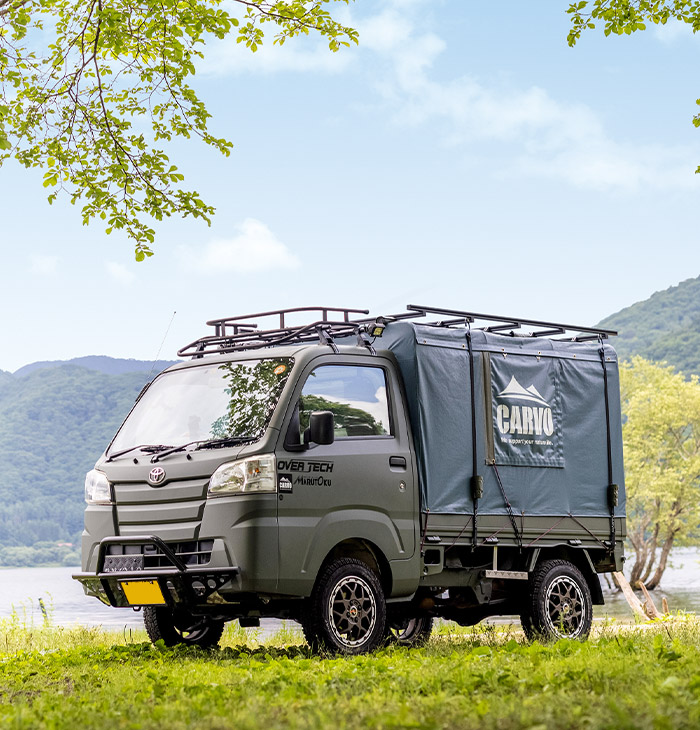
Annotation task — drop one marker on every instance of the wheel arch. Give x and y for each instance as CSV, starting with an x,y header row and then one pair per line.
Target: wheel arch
x,y
365,550
369,531
578,557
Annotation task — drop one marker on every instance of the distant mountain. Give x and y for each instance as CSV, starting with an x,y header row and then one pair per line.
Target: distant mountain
x,y
100,363
666,326
55,421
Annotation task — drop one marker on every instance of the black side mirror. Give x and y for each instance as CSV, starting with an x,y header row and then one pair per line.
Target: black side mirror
x,y
321,427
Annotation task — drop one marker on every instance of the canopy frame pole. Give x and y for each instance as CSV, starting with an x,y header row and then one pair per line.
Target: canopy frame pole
x,y
476,482
612,488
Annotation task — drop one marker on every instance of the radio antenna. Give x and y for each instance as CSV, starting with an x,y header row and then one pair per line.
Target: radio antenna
x,y
161,346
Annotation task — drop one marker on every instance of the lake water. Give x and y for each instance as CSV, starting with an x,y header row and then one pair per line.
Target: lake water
x,y
21,589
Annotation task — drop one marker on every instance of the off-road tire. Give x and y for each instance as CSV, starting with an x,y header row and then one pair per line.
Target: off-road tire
x,y
346,613
180,627
559,603
410,632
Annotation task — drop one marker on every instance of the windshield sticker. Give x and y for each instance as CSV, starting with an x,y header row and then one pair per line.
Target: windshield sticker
x,y
526,411
280,369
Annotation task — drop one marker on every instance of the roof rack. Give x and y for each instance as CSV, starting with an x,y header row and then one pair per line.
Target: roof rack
x,y
242,333
510,324
238,323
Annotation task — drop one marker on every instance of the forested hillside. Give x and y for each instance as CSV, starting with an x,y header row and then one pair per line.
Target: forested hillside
x,y
54,424
664,327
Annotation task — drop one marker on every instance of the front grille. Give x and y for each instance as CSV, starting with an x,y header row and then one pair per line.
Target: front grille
x,y
148,555
118,563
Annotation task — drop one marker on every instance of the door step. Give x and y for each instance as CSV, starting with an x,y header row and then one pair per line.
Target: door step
x,y
506,574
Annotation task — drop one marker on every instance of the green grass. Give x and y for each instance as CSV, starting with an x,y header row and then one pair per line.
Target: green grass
x,y
624,677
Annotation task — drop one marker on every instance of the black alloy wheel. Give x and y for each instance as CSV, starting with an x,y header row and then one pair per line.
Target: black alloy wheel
x,y
181,627
559,604
346,613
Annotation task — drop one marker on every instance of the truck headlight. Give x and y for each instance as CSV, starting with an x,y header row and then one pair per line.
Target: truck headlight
x,y
245,476
97,488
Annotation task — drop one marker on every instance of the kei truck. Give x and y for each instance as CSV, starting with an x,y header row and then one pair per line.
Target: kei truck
x,y
363,476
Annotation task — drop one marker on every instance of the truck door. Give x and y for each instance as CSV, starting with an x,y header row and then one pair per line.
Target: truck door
x,y
360,486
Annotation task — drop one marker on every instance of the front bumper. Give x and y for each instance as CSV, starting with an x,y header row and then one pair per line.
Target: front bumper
x,y
181,585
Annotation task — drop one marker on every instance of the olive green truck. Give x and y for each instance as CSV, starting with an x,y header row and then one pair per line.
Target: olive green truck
x,y
363,476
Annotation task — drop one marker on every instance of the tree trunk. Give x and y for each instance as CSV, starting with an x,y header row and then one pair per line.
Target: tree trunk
x,y
634,603
645,557
650,563
663,560
645,551
651,554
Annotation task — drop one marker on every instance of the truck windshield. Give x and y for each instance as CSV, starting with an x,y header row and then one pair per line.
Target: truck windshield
x,y
207,402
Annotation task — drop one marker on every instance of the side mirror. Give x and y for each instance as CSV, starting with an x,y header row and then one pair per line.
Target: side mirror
x,y
321,427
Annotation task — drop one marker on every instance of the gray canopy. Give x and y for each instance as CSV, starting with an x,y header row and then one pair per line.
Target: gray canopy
x,y
540,420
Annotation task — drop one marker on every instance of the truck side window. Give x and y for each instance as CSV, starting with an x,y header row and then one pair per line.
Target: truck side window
x,y
355,394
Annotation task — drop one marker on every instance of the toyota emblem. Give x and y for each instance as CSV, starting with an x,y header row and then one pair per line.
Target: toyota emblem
x,y
156,475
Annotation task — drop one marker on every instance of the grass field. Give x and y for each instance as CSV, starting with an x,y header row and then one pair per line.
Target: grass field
x,y
624,677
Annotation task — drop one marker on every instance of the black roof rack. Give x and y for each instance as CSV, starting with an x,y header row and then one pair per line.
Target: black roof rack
x,y
242,333
510,324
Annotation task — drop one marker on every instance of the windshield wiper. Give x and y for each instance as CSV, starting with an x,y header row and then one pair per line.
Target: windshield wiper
x,y
142,447
226,441
172,450
204,444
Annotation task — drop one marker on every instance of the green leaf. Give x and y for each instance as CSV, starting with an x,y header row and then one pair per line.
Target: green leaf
x,y
80,77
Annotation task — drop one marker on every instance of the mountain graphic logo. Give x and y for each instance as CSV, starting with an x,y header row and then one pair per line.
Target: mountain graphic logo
x,y
515,391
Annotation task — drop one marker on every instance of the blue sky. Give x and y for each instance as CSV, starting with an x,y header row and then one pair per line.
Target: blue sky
x,y
462,156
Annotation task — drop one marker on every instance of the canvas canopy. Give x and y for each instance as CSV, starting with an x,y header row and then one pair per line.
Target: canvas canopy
x,y
540,419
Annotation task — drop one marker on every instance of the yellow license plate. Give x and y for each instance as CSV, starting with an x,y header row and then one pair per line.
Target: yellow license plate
x,y
143,592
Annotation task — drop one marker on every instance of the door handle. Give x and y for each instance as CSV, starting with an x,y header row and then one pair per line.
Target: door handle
x,y
397,462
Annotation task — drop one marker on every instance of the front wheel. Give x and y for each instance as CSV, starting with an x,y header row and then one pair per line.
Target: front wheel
x,y
347,610
180,627
559,604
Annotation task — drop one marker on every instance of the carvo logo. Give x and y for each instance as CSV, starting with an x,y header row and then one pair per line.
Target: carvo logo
x,y
535,419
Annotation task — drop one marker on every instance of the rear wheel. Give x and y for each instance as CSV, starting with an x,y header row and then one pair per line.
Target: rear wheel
x,y
346,613
410,632
181,627
559,605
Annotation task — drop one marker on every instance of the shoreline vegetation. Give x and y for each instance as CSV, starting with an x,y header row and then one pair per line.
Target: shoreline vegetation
x,y
643,676
40,555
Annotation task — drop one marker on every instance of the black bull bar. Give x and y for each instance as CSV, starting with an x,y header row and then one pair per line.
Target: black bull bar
x,y
181,585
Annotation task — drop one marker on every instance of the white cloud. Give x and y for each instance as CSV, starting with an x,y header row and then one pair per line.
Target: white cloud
x,y
385,32
537,134
673,31
120,274
253,248
43,265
